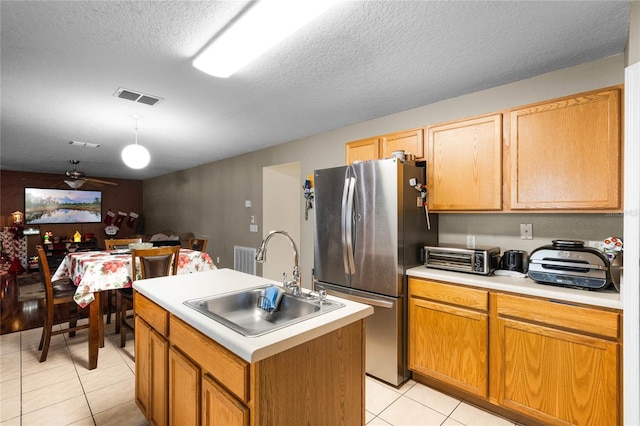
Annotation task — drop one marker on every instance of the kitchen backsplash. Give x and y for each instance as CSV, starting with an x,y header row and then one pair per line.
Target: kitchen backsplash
x,y
503,230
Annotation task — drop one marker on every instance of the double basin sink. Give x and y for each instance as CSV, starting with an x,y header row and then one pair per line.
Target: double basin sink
x,y
241,310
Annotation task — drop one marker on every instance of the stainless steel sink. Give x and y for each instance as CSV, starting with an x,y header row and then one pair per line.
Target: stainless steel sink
x,y
240,311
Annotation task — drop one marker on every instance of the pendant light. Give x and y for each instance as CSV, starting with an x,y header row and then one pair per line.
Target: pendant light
x,y
134,155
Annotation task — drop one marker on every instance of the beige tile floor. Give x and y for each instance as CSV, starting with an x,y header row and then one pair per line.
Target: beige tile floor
x,y
62,391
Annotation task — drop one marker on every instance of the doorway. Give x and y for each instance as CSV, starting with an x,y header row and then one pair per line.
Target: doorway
x,y
281,201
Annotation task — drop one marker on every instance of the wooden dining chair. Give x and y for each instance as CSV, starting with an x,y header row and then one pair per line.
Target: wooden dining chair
x,y
153,263
121,243
198,244
57,293
114,244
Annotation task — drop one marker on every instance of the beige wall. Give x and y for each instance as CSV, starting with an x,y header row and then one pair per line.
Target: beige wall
x,y
209,200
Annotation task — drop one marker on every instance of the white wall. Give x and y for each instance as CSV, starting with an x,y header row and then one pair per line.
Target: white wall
x,y
631,293
280,200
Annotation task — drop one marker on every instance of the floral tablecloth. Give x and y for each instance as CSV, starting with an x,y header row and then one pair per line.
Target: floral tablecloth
x,y
104,270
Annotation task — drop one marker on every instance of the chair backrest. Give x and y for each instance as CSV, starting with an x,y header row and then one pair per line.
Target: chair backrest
x,y
198,244
122,243
45,273
154,262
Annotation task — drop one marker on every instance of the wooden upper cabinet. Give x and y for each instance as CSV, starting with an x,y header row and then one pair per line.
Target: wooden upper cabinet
x,y
464,165
362,150
566,153
409,141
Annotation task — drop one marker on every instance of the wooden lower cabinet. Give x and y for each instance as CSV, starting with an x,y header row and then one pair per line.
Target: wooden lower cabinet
x,y
152,350
219,407
553,363
151,376
184,390
204,383
448,342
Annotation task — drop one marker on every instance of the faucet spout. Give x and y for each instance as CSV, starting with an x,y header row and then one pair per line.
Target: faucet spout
x,y
261,256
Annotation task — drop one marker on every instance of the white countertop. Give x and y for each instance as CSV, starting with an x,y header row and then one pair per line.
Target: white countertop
x,y
171,293
605,298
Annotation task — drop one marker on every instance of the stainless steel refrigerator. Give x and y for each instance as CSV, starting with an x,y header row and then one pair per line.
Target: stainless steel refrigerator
x,y
369,229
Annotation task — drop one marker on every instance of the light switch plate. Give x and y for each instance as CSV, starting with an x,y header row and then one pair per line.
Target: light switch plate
x,y
253,228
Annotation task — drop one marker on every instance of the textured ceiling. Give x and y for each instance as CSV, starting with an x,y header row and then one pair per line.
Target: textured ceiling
x,y
62,61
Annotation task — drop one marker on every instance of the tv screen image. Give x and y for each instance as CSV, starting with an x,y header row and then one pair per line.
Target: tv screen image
x,y
61,206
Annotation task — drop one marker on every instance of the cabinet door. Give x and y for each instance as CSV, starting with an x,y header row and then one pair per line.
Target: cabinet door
x,y
566,154
143,367
184,390
221,408
464,165
556,376
409,141
158,380
449,343
362,150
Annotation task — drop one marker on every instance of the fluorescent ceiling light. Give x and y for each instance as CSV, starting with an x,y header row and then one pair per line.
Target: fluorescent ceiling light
x,y
260,28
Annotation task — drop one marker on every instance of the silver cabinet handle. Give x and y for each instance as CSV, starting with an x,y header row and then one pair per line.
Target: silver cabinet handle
x,y
365,300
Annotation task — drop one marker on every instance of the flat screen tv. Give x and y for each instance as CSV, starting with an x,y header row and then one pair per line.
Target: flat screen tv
x,y
61,206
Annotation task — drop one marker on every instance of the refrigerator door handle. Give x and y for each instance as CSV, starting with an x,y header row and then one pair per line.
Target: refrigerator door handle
x,y
343,224
346,225
349,226
366,300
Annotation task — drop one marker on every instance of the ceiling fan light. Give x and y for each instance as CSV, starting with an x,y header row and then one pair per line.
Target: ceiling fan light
x,y
75,184
136,156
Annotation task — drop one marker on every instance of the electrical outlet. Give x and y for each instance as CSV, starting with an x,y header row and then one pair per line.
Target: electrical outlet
x,y
526,231
471,241
253,228
596,244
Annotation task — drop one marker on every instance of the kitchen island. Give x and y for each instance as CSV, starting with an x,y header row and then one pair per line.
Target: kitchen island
x,y
190,369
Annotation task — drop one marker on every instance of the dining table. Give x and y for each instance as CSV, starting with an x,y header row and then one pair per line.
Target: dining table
x,y
94,272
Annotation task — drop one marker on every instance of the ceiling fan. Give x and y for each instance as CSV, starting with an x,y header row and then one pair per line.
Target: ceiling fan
x,y
76,178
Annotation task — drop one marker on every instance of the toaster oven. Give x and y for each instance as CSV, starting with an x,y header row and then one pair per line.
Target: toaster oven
x,y
480,260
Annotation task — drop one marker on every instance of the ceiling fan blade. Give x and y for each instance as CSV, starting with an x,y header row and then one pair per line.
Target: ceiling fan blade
x,y
99,181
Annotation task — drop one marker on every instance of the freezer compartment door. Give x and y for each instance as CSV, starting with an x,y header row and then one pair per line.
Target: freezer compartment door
x,y
386,346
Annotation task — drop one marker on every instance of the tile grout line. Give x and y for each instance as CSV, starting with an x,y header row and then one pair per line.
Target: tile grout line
x,y
75,368
21,374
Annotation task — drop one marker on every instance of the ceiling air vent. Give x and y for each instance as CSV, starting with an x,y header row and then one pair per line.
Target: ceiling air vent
x,y
84,144
139,97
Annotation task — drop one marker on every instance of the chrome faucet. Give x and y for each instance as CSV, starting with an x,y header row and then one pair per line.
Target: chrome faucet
x,y
295,284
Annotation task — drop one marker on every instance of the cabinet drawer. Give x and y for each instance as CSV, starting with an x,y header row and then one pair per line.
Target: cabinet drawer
x,y
467,297
154,315
225,366
560,314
